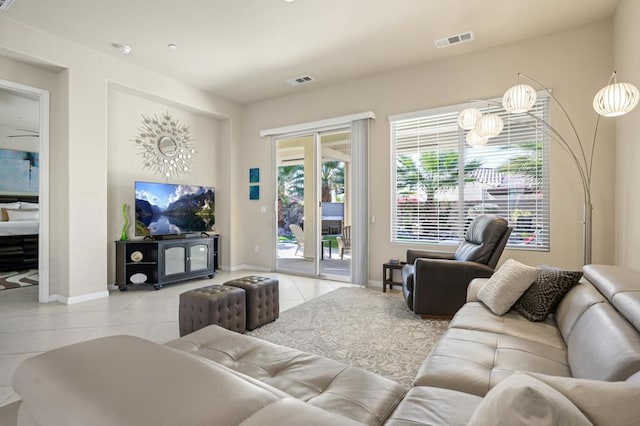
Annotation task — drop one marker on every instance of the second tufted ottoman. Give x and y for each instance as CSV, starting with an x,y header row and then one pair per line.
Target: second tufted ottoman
x,y
214,304
263,304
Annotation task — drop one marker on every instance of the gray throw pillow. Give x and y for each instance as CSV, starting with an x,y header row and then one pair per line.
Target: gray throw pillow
x,y
545,293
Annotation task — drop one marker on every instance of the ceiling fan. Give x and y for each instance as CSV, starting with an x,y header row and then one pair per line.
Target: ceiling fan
x,y
33,134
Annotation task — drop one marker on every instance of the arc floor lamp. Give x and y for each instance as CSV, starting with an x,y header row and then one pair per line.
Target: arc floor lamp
x,y
613,100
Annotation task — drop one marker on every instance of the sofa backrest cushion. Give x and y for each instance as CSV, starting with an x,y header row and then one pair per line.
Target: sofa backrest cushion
x,y
621,287
603,345
598,320
574,304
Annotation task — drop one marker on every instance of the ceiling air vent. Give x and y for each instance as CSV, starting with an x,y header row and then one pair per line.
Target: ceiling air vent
x,y
300,80
4,4
453,40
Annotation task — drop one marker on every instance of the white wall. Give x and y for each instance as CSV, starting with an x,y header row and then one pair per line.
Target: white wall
x,y
80,80
560,60
627,63
124,163
79,166
17,144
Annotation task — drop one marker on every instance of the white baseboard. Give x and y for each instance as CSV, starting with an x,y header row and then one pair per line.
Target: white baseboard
x,y
374,284
245,267
78,299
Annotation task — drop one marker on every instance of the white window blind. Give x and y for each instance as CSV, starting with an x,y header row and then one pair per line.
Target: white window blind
x,y
439,183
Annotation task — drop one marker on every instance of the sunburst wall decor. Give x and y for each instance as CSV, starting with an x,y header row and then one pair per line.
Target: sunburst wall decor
x,y
166,145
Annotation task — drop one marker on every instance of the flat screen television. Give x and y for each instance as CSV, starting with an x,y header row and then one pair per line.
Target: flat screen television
x,y
173,209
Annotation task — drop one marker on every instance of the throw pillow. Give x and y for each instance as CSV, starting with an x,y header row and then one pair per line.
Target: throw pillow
x,y
523,400
603,403
506,285
3,206
21,215
545,293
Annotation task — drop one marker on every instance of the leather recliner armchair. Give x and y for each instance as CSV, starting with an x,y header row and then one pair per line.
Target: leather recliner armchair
x,y
434,284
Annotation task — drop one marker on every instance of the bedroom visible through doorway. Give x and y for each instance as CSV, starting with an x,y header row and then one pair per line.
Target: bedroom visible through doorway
x,y
23,168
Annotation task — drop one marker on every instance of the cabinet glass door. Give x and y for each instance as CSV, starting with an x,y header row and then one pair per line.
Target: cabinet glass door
x,y
199,255
175,260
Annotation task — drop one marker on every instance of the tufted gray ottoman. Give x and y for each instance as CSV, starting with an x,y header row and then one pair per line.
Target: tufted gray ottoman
x,y
214,304
263,304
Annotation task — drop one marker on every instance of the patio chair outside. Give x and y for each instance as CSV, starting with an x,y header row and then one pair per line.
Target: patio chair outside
x,y
298,233
344,240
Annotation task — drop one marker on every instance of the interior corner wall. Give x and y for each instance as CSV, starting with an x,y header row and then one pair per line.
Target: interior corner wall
x,y
627,64
83,230
124,162
559,60
227,194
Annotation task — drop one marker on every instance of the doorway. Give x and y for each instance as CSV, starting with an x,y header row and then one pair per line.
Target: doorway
x,y
32,125
313,204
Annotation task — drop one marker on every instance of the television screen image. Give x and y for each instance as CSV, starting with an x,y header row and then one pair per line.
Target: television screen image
x,y
166,208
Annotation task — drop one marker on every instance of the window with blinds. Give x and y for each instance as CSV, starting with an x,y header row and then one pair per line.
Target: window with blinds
x,y
439,183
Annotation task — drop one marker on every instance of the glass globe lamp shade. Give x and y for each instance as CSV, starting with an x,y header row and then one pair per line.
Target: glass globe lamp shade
x,y
616,99
489,125
519,98
468,117
474,139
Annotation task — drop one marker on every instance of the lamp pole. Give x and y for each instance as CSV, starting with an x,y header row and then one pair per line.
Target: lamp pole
x,y
580,161
613,100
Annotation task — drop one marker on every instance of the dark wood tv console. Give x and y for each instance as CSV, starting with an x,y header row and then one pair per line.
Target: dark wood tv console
x,y
160,262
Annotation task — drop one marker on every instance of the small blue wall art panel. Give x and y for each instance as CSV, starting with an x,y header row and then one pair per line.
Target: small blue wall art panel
x,y
254,175
254,192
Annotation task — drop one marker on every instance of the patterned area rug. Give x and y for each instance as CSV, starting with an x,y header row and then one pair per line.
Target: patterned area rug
x,y
18,279
361,327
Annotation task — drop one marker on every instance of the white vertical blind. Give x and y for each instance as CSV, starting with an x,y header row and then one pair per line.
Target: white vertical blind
x,y
360,197
439,184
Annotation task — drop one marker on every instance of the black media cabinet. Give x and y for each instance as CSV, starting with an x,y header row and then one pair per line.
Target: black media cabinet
x,y
160,262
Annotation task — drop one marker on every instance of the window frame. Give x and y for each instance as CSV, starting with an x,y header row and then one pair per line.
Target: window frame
x,y
517,127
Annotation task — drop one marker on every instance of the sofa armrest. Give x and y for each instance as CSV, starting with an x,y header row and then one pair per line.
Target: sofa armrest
x,y
412,255
474,287
440,286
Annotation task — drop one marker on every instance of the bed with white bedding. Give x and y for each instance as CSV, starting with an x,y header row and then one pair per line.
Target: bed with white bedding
x,y
22,227
19,232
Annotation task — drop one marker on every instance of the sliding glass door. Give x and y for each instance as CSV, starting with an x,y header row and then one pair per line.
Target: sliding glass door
x,y
313,204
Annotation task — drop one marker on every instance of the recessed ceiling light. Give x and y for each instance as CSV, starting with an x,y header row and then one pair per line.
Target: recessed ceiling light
x,y
289,1
123,48
173,46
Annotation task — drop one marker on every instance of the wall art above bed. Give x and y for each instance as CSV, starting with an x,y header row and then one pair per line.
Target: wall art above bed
x,y
19,171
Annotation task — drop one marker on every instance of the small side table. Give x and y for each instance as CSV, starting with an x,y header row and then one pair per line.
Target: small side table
x,y
387,274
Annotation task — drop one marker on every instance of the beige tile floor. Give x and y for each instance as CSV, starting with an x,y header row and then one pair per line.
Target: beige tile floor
x,y
28,328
